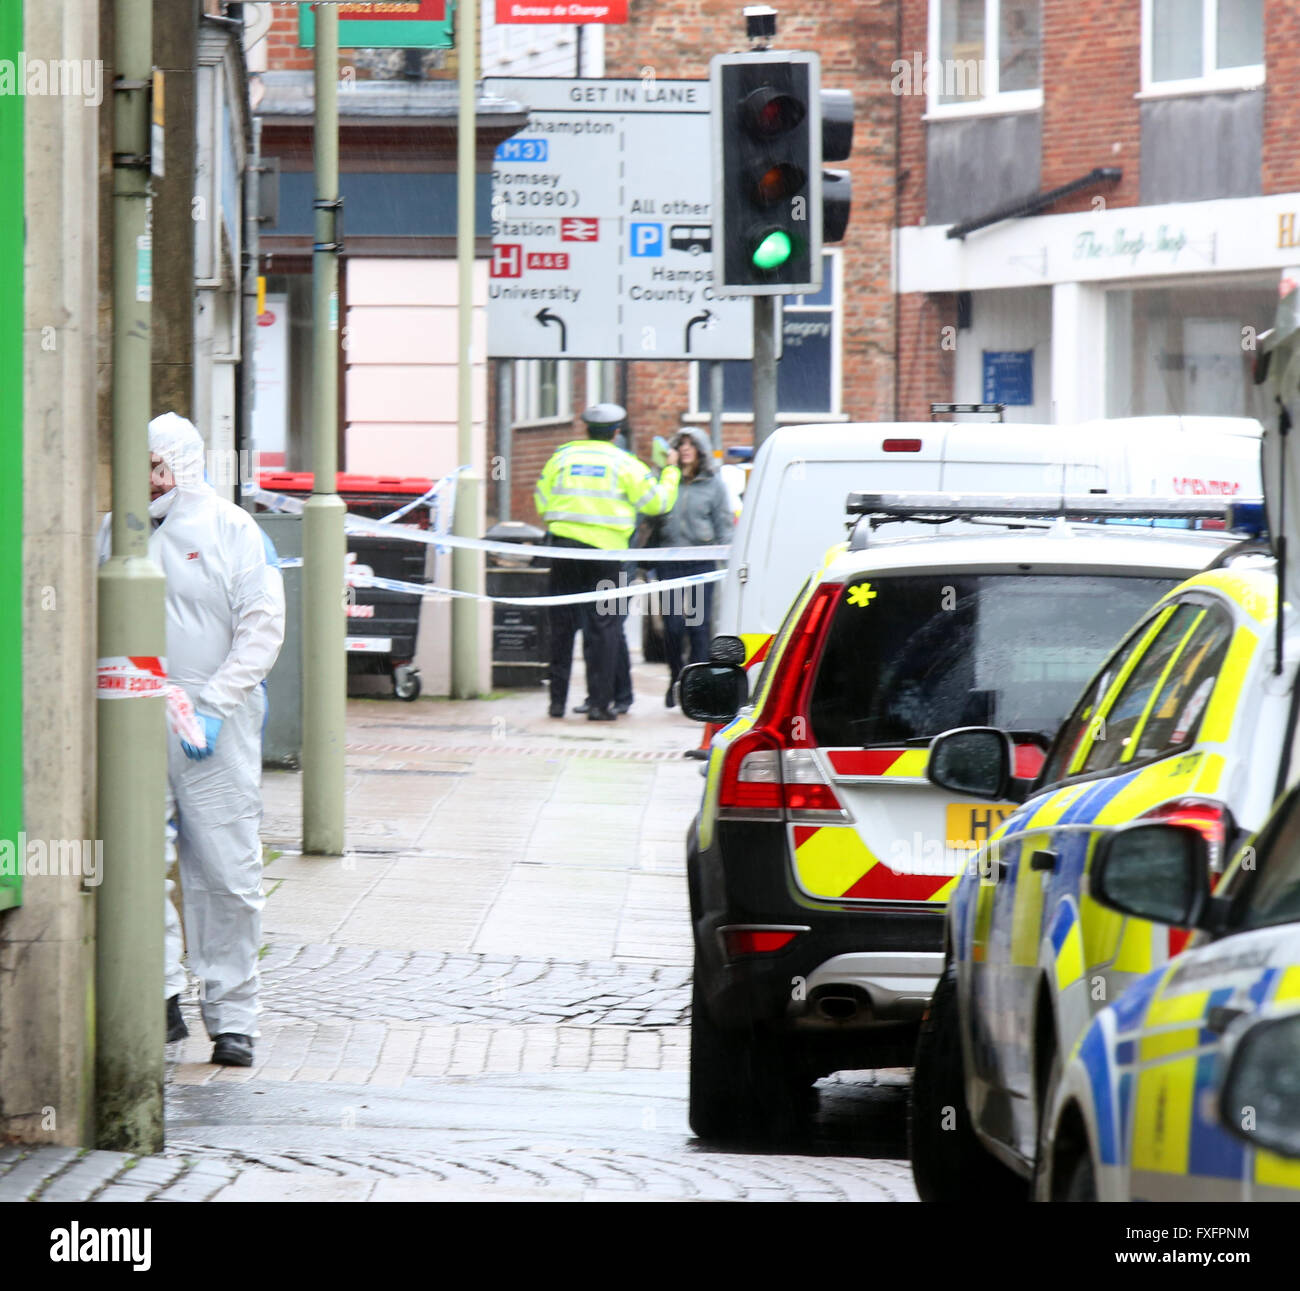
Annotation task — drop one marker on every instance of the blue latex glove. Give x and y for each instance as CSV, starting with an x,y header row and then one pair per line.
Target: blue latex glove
x,y
211,729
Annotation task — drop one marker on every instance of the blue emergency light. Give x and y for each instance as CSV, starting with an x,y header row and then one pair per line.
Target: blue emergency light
x,y
1247,518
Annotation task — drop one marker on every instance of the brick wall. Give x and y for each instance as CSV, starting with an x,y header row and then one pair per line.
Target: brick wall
x,y
927,357
1281,152
282,50
914,40
1092,68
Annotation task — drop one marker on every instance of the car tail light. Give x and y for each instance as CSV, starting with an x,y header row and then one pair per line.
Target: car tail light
x,y
786,709
754,941
805,789
772,770
1029,761
901,446
1211,818
751,774
1214,822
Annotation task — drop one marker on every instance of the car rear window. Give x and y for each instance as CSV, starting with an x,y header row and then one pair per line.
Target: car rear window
x,y
910,656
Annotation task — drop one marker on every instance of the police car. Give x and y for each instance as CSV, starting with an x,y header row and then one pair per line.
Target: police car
x,y
1185,723
1188,1086
821,858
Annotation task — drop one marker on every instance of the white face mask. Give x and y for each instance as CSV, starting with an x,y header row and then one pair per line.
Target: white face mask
x,y
161,505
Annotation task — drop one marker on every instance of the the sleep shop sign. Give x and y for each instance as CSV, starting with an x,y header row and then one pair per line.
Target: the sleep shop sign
x,y
1009,377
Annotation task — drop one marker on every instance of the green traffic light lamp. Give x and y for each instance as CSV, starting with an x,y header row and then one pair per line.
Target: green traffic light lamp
x,y
772,250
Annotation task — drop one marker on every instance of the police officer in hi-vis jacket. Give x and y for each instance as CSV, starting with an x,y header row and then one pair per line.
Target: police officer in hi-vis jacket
x,y
589,495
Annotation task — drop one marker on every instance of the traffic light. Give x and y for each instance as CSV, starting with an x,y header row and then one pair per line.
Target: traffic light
x,y
837,144
767,176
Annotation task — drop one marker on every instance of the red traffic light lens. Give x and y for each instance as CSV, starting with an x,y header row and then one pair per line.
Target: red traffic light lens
x,y
767,112
777,183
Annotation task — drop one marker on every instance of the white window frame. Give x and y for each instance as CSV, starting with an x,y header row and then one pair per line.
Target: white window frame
x,y
595,393
1213,80
995,102
528,393
835,255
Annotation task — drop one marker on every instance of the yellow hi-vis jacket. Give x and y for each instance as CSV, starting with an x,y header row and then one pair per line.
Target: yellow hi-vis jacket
x,y
591,491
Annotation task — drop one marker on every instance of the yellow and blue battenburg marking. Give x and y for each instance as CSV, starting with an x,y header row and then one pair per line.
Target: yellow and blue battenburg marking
x,y
1153,1083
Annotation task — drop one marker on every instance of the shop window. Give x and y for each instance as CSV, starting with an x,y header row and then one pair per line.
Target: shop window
x,y
542,390
1186,350
984,55
808,373
1191,45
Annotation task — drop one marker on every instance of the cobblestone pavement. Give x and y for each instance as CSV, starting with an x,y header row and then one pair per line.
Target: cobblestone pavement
x,y
487,997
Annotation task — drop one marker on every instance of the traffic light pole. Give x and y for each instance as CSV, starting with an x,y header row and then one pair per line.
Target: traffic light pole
x,y
764,369
715,404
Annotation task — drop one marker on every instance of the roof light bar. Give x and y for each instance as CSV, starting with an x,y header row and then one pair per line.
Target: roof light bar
x,y
1078,506
959,409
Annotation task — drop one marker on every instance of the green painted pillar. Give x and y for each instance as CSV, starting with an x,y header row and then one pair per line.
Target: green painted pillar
x,y
11,460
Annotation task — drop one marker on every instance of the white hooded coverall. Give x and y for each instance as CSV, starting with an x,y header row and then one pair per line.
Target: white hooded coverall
x,y
225,626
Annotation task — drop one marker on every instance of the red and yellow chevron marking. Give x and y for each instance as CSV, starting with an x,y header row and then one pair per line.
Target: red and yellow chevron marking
x,y
833,861
757,644
899,763
910,764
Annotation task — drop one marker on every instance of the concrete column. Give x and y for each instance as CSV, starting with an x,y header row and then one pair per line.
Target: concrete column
x,y
46,945
1078,352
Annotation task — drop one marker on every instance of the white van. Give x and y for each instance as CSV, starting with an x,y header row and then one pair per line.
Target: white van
x,y
794,503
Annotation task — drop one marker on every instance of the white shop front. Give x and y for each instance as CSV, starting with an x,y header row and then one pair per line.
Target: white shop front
x,y
1129,311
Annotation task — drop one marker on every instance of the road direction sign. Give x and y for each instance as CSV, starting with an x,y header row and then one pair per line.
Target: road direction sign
x,y
602,228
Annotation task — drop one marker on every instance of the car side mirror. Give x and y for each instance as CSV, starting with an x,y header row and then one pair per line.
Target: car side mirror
x,y
976,762
724,649
1260,1097
1154,871
713,692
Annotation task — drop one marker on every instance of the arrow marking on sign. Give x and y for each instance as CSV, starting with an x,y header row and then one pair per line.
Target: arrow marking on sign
x,y
545,317
697,320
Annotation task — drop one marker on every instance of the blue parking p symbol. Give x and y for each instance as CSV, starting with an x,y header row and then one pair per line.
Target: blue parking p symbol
x,y
647,239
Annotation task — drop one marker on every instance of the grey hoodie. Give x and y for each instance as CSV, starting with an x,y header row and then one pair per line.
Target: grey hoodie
x,y
702,514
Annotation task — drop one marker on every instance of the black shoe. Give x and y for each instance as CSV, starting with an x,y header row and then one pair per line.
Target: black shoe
x,y
670,699
176,1028
233,1050
601,715
622,706
556,710
584,707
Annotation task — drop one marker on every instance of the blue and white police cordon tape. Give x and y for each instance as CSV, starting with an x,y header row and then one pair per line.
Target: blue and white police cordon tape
x,y
623,592
432,496
609,555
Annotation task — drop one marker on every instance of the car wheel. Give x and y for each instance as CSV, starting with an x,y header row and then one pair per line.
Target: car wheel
x,y
743,1082
406,683
948,1161
1082,1183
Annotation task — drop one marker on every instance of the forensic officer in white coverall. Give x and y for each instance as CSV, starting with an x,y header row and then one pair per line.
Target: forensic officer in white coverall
x,y
225,626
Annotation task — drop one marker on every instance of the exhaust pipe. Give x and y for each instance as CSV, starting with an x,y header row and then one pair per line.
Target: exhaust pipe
x,y
839,1008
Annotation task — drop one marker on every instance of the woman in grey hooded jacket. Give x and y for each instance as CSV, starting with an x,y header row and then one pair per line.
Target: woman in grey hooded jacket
x,y
701,518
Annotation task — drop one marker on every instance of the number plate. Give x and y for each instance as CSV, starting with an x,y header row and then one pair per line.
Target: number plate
x,y
970,824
